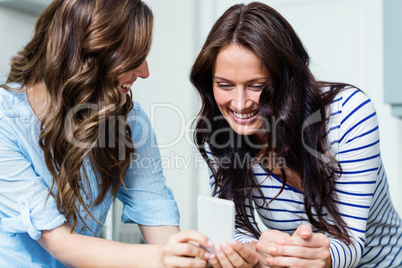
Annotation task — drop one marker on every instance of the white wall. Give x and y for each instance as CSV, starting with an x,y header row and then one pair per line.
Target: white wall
x,y
169,99
15,30
343,37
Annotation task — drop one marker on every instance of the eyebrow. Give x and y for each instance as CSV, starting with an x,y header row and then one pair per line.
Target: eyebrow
x,y
249,81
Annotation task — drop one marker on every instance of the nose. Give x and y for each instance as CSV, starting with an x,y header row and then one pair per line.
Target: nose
x,y
142,70
240,99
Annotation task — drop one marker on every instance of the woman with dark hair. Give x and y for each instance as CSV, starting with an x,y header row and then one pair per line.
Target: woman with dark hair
x,y
305,154
72,139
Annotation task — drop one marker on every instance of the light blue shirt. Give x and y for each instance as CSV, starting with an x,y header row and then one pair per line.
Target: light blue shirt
x,y
26,209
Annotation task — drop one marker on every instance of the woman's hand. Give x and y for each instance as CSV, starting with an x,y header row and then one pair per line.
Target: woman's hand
x,y
267,240
233,254
303,249
182,250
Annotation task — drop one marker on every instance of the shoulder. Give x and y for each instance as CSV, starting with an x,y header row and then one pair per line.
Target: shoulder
x,y
13,103
136,111
18,123
351,100
352,121
350,106
137,119
140,124
137,107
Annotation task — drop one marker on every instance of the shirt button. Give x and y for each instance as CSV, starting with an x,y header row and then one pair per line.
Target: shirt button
x,y
23,205
87,196
87,217
84,229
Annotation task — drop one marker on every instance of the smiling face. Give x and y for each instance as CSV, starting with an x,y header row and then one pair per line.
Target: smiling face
x,y
238,81
127,80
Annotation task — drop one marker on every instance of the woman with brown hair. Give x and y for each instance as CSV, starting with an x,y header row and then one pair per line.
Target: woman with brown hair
x,y
72,139
303,153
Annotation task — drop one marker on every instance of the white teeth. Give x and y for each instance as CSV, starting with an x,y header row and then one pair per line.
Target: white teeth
x,y
127,85
245,116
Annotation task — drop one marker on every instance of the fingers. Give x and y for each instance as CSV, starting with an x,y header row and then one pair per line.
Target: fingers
x,y
316,240
213,260
304,231
191,235
263,247
187,249
246,252
187,243
272,236
296,251
265,243
294,262
183,250
176,261
222,257
235,254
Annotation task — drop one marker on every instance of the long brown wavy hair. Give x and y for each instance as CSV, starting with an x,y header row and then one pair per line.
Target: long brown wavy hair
x,y
79,50
291,94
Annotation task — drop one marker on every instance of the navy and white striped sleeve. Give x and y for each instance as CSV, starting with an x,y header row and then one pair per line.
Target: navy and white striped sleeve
x,y
354,138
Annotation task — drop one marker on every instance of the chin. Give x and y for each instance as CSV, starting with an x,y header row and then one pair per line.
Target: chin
x,y
122,100
245,132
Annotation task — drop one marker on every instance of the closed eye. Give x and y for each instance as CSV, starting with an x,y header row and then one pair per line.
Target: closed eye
x,y
224,86
257,87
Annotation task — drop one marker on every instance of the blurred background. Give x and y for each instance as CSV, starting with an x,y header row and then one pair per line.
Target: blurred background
x,y
353,41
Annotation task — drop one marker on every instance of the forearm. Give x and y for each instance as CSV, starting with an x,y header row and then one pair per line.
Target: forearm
x,y
158,235
75,250
96,252
348,256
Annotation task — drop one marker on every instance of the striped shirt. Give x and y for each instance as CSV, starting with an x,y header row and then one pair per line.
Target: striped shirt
x,y
362,190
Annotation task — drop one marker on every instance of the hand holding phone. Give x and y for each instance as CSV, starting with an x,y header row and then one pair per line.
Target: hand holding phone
x,y
216,218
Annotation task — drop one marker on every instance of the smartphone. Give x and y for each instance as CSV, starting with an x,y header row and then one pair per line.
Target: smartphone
x,y
216,218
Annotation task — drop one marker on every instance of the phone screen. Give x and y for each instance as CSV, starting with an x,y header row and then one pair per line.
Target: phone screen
x,y
216,218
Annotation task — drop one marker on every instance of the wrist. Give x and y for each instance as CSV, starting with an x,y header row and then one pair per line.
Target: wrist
x,y
157,262
252,245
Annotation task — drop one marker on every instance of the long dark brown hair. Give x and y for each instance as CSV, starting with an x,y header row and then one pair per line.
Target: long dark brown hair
x,y
291,94
79,50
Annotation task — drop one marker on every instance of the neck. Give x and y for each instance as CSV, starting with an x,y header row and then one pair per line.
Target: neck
x,y
273,163
38,99
260,137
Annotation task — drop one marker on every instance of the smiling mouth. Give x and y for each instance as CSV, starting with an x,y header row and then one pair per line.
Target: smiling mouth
x,y
127,86
245,115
